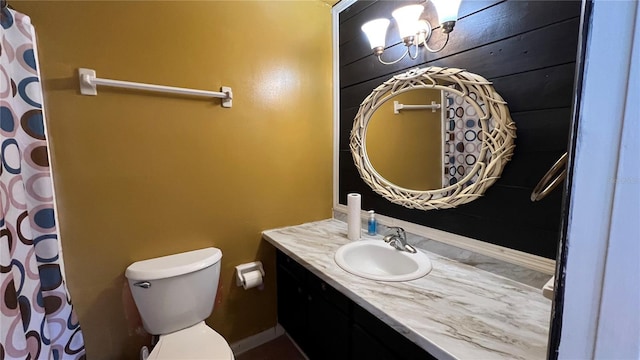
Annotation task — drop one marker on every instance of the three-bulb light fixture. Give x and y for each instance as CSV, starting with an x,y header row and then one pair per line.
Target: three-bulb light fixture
x,y
413,30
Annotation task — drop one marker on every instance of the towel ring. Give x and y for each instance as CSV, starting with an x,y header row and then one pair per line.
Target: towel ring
x,y
546,184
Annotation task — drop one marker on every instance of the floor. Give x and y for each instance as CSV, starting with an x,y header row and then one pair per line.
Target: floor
x,y
281,348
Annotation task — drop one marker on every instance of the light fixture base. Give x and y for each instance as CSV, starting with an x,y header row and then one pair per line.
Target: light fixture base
x,y
447,26
424,32
409,40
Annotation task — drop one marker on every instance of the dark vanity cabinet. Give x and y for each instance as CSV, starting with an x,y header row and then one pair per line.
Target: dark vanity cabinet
x,y
314,314
327,325
293,300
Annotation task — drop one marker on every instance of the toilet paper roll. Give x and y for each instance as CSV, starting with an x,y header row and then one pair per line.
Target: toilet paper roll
x,y
354,223
251,279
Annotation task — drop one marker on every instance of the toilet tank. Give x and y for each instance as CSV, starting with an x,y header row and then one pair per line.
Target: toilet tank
x,y
176,291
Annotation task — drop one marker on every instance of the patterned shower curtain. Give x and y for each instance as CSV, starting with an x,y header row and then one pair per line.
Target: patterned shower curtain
x,y
462,138
36,317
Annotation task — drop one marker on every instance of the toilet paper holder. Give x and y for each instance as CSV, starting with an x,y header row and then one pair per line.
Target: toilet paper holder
x,y
245,268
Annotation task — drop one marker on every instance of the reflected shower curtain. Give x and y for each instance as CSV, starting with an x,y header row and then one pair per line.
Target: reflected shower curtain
x,y
36,317
462,138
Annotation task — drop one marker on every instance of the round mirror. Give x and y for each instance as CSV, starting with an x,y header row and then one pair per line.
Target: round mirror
x,y
439,136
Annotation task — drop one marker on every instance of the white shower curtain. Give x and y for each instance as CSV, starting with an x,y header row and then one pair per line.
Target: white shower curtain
x,y
37,320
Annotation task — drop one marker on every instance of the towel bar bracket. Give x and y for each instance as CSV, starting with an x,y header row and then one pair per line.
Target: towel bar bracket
x,y
227,101
87,87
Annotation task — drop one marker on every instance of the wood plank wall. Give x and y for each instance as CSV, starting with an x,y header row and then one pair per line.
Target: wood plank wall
x,y
528,50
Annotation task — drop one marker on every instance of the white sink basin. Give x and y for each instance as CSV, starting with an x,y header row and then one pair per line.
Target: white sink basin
x,y
377,260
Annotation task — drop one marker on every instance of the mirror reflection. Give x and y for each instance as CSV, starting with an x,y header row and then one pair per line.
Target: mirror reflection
x,y
415,161
424,139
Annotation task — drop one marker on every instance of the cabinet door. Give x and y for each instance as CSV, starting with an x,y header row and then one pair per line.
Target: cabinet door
x,y
328,330
381,337
364,346
292,307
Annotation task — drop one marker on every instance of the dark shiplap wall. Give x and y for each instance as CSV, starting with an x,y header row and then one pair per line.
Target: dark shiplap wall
x,y
528,50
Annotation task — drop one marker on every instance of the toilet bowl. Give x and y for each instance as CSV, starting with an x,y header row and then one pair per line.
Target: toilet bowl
x,y
174,295
197,342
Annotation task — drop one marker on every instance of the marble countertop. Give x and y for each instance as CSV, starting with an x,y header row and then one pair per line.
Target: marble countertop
x,y
457,311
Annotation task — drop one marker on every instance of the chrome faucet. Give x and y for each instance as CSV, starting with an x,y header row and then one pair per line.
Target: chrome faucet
x,y
398,240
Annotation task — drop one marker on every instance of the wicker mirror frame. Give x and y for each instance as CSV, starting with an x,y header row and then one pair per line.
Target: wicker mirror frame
x,y
498,134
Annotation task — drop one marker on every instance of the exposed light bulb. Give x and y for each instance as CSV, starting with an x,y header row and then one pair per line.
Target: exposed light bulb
x,y
376,31
407,18
447,13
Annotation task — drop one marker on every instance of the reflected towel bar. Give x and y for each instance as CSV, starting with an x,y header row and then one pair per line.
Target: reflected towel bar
x,y
397,107
88,82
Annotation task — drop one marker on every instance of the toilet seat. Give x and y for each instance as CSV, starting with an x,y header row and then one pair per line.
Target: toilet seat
x,y
197,342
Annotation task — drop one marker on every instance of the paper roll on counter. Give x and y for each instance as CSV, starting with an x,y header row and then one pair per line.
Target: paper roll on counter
x,y
354,222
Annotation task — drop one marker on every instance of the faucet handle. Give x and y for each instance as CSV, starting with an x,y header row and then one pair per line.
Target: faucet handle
x,y
399,232
399,240
396,234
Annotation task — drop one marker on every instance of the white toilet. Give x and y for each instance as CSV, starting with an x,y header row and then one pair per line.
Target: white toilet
x,y
174,295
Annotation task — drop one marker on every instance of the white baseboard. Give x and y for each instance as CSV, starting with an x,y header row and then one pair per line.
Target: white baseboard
x,y
256,340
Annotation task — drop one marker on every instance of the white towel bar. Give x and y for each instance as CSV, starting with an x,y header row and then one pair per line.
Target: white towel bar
x,y
397,107
88,82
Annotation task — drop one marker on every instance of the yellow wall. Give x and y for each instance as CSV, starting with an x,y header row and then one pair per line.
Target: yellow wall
x,y
139,175
406,148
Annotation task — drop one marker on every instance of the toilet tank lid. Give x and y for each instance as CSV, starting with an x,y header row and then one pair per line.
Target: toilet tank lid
x,y
173,265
